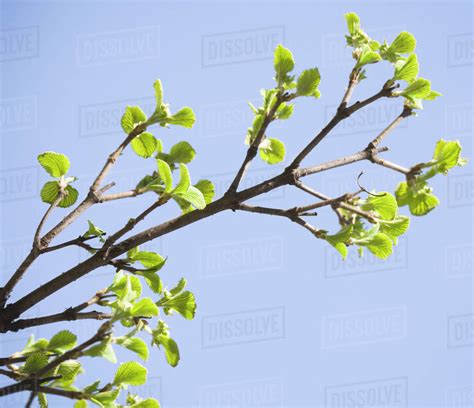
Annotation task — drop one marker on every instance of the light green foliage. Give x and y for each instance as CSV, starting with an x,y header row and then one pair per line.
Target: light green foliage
x,y
415,192
132,117
308,81
272,150
379,237
144,144
94,231
57,165
130,373
283,63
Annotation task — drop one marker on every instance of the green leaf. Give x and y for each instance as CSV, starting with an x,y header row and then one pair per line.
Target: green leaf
x,y
146,403
131,373
69,370
339,240
144,308
182,152
406,70
184,117
106,398
170,347
405,43
419,198
103,349
35,362
385,204
432,96
207,189
50,192
149,260
42,400
284,111
179,287
308,82
396,227
184,304
184,180
165,174
133,116
447,155
56,164
80,404
94,231
135,344
420,88
283,63
193,196
158,95
353,23
63,341
153,281
272,150
380,245
144,144
367,56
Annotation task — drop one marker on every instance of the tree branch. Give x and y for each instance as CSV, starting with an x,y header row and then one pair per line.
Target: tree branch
x,y
253,148
287,177
342,113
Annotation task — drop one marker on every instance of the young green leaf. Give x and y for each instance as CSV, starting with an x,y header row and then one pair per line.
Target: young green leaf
x,y
170,347
150,260
272,150
50,192
144,308
405,43
135,344
184,180
406,70
383,203
182,152
184,304
194,197
284,111
103,349
380,245
419,198
130,373
184,117
133,116
146,403
308,82
396,227
94,231
283,63
34,363
353,23
367,56
62,341
68,370
56,164
339,240
144,144
207,189
447,155
165,174
420,88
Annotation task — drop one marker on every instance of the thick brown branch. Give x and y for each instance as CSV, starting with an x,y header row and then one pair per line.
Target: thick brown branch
x,y
224,203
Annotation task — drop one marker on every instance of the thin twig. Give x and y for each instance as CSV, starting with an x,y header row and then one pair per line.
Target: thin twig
x,y
253,148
